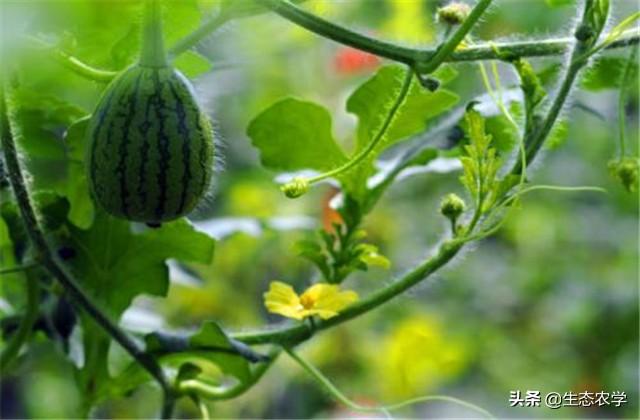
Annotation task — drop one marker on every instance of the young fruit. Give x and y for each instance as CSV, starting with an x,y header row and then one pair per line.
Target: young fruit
x,y
151,147
150,153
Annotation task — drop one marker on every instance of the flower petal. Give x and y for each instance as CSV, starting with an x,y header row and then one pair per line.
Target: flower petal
x,y
322,313
329,300
282,299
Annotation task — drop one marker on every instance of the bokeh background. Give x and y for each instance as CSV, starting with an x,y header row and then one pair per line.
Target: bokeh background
x,y
549,303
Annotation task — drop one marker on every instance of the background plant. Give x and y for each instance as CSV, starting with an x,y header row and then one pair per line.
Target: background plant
x,y
421,117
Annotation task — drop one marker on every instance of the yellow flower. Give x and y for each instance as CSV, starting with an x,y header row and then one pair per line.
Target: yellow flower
x,y
322,299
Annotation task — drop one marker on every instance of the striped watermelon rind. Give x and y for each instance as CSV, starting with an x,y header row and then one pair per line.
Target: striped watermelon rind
x,y
150,154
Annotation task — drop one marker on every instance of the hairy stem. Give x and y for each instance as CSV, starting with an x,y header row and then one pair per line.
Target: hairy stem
x,y
44,253
411,56
621,99
25,327
542,132
327,29
444,50
478,52
152,52
577,61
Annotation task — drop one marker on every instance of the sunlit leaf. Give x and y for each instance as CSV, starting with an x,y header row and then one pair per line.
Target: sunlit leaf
x,y
76,187
114,265
192,64
212,336
109,255
372,100
293,134
371,103
606,73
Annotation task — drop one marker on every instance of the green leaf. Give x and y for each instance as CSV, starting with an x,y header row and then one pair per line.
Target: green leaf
x,y
7,258
76,187
109,36
549,74
125,49
371,102
606,73
115,265
122,383
179,19
558,135
478,140
211,335
293,134
192,64
480,165
313,252
502,132
423,157
52,216
42,120
53,138
188,371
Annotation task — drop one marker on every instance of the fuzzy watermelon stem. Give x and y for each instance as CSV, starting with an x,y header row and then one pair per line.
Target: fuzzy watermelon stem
x,y
152,52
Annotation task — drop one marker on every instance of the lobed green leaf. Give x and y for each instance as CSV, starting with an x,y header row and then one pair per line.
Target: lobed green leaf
x,y
293,135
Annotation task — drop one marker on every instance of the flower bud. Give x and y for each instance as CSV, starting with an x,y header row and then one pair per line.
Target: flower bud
x,y
626,171
453,13
584,33
296,187
452,206
429,83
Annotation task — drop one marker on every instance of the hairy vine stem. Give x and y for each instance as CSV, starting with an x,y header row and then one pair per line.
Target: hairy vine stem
x,y
624,81
443,51
477,52
152,52
423,61
579,59
50,261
